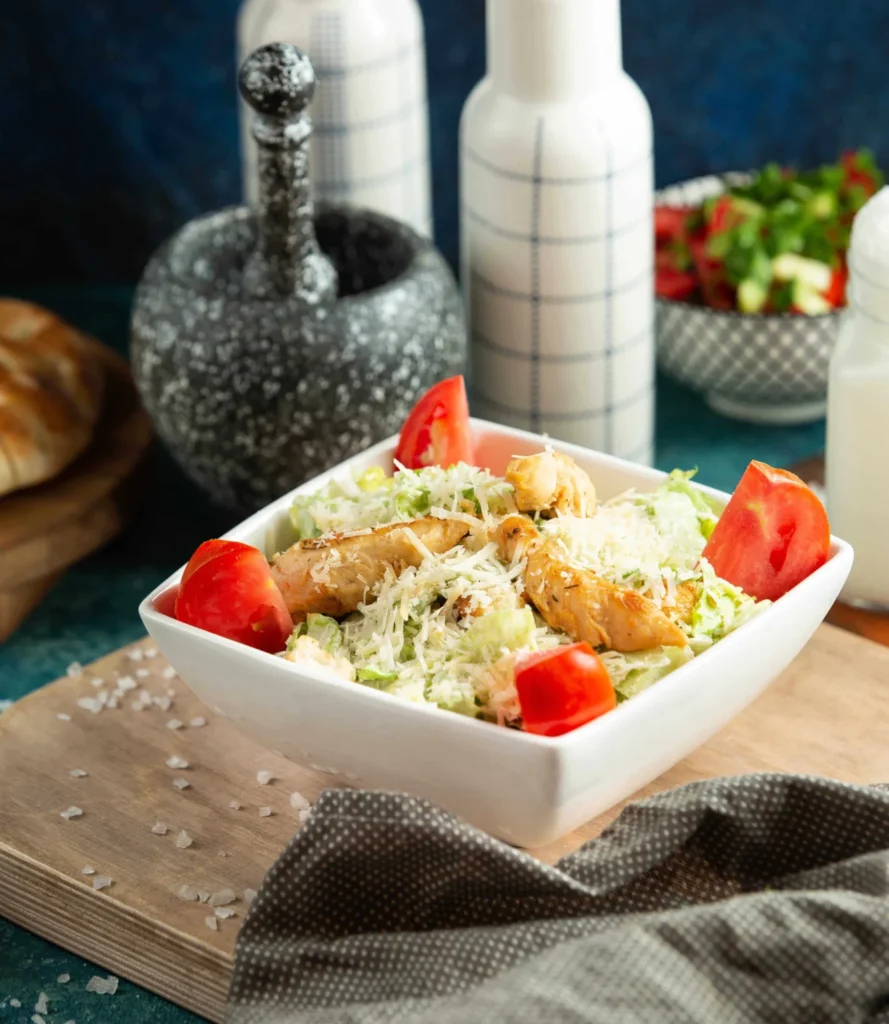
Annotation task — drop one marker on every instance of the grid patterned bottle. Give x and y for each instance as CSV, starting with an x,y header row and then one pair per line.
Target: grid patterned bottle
x,y
556,229
370,142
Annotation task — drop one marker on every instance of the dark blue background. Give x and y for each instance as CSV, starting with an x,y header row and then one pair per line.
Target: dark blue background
x,y
118,118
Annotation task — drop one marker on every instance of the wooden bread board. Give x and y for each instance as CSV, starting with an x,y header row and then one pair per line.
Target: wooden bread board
x,y
45,529
827,715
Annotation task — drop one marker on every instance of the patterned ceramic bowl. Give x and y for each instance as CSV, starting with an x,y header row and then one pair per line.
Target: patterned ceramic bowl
x,y
762,368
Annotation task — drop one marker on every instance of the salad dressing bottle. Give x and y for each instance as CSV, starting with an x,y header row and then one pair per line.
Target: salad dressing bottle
x,y
857,460
556,228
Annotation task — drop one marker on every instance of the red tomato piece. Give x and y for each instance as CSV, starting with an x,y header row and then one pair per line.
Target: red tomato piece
x,y
562,689
227,589
772,534
436,431
722,216
836,292
669,222
674,284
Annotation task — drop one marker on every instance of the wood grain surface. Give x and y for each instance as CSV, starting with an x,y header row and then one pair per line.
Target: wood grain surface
x,y
45,529
827,715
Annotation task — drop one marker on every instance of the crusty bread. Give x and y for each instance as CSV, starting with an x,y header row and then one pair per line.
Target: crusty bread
x,y
50,394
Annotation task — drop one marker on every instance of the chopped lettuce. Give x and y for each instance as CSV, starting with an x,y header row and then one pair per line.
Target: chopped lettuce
x,y
322,629
374,677
647,667
505,629
708,510
721,608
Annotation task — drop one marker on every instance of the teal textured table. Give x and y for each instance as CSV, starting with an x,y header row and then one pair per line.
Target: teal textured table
x,y
93,610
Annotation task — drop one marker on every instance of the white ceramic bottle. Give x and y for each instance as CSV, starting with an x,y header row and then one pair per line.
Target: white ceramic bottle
x,y
556,228
857,470
370,143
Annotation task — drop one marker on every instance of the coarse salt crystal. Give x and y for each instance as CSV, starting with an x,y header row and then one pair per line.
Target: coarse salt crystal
x,y
143,673
168,673
264,777
63,979
101,882
77,773
62,717
183,840
74,669
15,1002
102,986
249,895
189,893
90,704
135,655
96,682
145,695
72,812
181,784
150,652
176,762
137,704
126,683
304,815
222,898
235,806
197,722
298,802
221,853
265,812
159,828
42,1004
174,723
88,870
171,692
224,912
164,703
4,704
212,923
203,896
37,1019
111,702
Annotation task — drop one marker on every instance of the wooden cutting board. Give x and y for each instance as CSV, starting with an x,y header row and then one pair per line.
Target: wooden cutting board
x,y
828,714
47,528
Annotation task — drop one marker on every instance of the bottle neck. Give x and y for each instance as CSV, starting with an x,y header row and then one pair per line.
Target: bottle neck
x,y
869,288
549,50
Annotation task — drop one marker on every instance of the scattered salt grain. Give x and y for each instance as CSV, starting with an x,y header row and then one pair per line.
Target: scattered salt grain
x,y
4,704
42,1004
111,702
62,717
203,896
37,1019
171,692
101,882
77,773
164,703
198,722
223,898
265,812
221,853
88,870
223,913
181,784
183,840
150,652
159,828
212,923
16,1003
74,669
135,655
235,806
127,683
93,704
264,777
176,762
72,812
174,723
97,683
168,673
249,895
102,986
298,802
63,979
143,673
188,892
304,815
137,704
145,696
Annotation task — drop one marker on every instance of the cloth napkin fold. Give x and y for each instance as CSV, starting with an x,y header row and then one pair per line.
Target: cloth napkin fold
x,y
759,898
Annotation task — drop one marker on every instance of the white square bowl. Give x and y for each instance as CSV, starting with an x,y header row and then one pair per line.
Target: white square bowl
x,y
528,790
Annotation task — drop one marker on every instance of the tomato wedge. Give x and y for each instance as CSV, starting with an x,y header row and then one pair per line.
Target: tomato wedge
x,y
436,431
772,534
674,284
562,689
227,589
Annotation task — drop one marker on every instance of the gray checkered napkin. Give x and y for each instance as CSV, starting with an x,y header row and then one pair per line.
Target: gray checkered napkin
x,y
762,898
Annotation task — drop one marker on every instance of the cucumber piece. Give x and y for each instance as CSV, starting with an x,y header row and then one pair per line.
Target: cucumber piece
x,y
812,273
751,296
809,300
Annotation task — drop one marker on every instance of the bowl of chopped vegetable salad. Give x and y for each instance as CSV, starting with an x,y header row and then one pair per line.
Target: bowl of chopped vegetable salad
x,y
751,281
524,632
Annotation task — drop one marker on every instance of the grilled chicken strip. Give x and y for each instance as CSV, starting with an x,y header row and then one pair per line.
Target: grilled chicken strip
x,y
333,575
580,603
551,483
686,599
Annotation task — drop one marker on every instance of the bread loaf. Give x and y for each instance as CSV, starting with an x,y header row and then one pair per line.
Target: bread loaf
x,y
50,394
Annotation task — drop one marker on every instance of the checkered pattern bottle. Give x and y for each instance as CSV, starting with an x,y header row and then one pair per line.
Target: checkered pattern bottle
x,y
370,142
556,229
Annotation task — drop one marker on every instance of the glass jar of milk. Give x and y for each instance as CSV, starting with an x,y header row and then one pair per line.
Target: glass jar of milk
x,y
857,471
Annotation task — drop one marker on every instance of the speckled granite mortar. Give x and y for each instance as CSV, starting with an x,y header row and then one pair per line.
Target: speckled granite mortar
x,y
269,345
